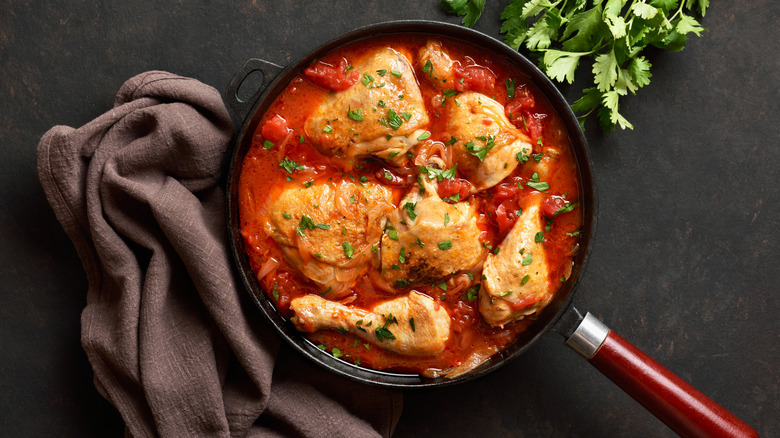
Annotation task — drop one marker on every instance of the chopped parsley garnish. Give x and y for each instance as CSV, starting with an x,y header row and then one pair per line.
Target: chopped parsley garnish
x,y
445,245
442,286
275,291
446,219
286,215
525,279
352,199
349,250
308,183
366,78
363,178
402,255
381,72
539,237
409,207
574,234
402,283
268,144
450,92
471,294
411,323
328,129
392,233
395,72
290,166
510,88
308,224
480,153
534,183
528,259
439,174
454,198
388,176
420,185
419,242
383,333
356,114
393,120
452,140
566,208
428,67
423,136
406,115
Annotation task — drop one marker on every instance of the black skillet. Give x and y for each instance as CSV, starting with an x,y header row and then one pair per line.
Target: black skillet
x,y
683,408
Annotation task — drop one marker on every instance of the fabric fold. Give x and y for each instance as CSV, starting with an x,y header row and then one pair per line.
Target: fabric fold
x,y
173,342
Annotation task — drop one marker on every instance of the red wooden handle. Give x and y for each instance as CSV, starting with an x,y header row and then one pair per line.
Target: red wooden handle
x,y
675,402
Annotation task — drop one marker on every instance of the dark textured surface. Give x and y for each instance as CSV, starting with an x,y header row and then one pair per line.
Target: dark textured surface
x,y
685,264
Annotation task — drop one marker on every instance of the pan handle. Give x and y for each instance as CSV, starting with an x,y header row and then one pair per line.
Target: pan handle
x,y
674,401
241,107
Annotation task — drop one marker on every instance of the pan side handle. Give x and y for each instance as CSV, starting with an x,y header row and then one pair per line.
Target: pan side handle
x,y
674,401
239,106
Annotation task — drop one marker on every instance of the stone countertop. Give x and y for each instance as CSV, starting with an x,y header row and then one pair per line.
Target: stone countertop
x,y
685,263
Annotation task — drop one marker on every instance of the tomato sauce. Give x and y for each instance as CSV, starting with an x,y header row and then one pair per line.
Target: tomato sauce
x,y
280,135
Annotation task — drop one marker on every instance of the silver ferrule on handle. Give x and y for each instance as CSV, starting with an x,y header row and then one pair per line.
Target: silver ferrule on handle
x,y
588,337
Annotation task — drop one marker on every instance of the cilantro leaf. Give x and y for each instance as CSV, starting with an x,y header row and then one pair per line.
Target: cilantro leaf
x,y
470,9
609,36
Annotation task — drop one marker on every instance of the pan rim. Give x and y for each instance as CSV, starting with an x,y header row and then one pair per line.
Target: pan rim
x,y
551,314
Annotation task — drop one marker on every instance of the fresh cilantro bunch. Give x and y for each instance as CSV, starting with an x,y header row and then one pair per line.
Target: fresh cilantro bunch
x,y
609,35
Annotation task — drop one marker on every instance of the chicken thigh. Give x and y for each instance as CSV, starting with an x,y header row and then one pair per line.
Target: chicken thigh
x,y
326,230
486,144
516,280
436,65
412,324
427,239
381,115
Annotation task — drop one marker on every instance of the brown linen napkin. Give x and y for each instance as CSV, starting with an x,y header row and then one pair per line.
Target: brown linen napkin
x,y
173,342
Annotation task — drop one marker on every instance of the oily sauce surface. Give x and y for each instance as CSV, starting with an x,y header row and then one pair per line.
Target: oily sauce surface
x,y
263,178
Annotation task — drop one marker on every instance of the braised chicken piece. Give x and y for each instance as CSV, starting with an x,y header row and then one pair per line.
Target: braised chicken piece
x,y
381,115
436,65
426,238
413,324
515,281
327,230
486,144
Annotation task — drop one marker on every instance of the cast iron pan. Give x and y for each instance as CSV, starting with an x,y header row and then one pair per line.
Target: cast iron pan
x,y
683,408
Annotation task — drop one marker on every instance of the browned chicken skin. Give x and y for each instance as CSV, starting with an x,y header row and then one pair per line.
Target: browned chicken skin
x,y
326,231
412,324
515,281
486,143
380,115
436,65
427,239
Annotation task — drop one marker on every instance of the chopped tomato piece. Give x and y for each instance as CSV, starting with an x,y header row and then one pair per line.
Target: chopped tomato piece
x,y
552,204
464,315
508,188
526,302
338,78
275,129
473,77
449,187
520,111
506,215
523,100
